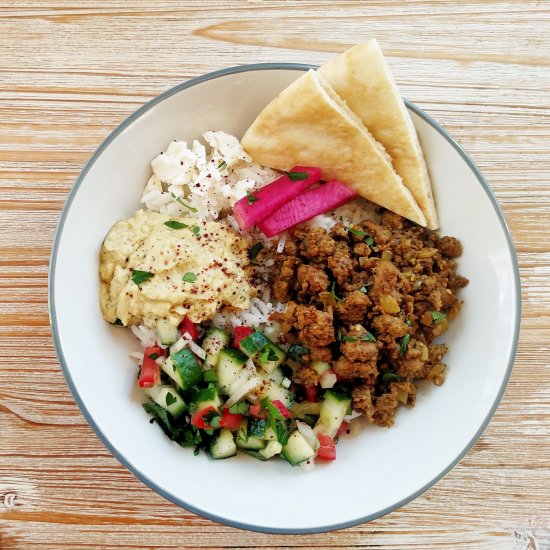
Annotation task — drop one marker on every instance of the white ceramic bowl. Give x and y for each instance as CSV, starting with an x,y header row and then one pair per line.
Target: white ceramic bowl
x,y
376,471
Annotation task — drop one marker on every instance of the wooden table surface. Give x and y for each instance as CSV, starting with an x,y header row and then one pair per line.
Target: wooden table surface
x,y
72,71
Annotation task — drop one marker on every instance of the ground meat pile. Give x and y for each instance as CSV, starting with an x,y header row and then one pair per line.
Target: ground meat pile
x,y
370,300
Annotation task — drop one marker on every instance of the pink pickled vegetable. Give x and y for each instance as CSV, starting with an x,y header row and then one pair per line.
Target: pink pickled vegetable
x,y
256,206
316,201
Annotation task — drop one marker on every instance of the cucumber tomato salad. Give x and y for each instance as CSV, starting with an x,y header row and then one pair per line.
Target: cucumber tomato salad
x,y
226,393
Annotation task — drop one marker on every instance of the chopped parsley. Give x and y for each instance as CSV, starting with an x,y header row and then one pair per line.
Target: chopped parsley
x,y
333,292
180,201
196,230
139,277
437,316
255,250
408,322
275,420
154,356
348,339
251,198
296,351
175,224
215,421
391,377
239,408
170,399
222,165
364,289
404,344
369,241
368,238
268,355
297,176
368,337
189,277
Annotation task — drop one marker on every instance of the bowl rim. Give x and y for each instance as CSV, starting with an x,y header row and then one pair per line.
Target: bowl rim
x,y
127,461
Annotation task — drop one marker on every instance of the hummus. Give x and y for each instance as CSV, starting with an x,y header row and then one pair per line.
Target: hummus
x,y
151,271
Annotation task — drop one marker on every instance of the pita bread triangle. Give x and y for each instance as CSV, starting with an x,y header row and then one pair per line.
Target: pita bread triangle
x,y
308,124
361,77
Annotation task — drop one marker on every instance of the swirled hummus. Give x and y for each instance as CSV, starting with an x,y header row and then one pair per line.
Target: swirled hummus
x,y
155,267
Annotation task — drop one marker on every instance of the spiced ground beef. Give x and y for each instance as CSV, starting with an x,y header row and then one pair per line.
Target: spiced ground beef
x,y
369,300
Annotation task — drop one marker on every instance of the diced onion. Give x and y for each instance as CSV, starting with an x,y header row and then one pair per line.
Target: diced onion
x,y
179,344
308,433
306,407
285,382
196,349
242,390
281,243
327,380
137,356
308,465
160,360
353,415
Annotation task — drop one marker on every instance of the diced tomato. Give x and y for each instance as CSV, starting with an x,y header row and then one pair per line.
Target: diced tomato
x,y
342,429
188,326
284,411
230,420
255,412
198,417
312,393
327,450
150,371
239,333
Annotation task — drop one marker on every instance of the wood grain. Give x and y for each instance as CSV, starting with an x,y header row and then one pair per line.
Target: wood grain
x,y
70,72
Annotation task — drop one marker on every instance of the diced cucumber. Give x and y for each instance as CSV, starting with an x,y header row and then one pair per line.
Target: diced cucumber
x,y
224,445
187,367
168,333
228,367
276,375
275,392
333,409
270,357
271,449
252,345
214,341
297,449
170,369
269,435
246,442
207,397
167,397
256,428
320,367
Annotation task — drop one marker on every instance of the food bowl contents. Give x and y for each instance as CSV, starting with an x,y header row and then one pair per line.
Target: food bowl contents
x,y
276,306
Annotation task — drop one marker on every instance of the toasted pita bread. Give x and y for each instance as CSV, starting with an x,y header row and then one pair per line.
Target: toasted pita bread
x,y
308,124
363,80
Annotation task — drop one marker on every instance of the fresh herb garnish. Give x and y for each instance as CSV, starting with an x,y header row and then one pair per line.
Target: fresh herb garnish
x,y
209,375
297,176
180,201
170,399
140,277
118,323
296,351
404,344
275,420
163,420
215,421
368,337
196,230
333,292
268,355
222,165
408,322
348,339
368,238
189,277
339,334
175,224
239,408
391,377
255,250
437,316
154,356
251,198
364,289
